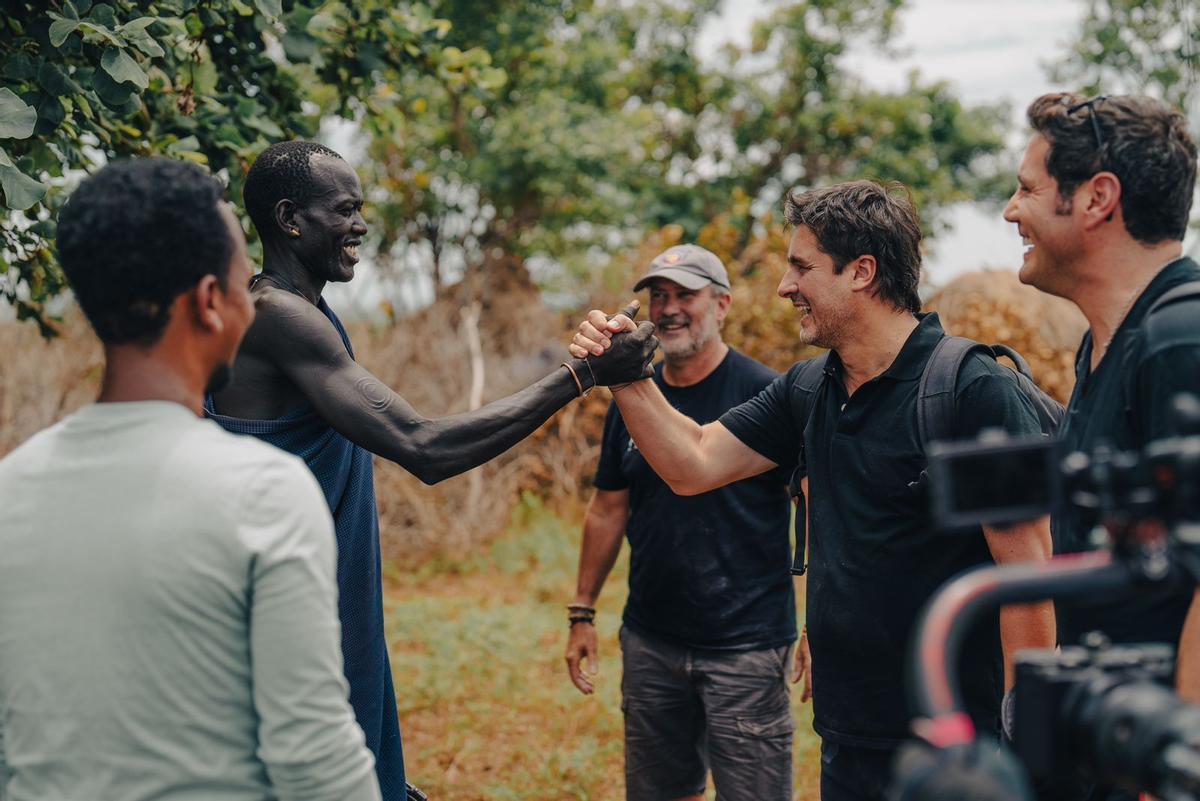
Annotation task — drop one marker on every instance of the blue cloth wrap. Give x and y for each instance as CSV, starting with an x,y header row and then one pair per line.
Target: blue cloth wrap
x,y
347,477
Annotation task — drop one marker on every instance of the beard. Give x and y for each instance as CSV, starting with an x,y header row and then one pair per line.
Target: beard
x,y
679,351
219,379
826,333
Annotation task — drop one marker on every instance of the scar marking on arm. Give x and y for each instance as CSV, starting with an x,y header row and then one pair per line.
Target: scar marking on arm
x,y
374,392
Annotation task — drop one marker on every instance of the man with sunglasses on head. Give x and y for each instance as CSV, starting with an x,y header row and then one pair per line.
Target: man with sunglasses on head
x,y
1102,203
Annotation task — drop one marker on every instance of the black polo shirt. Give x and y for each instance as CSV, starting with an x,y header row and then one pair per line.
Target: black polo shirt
x,y
1145,367
707,571
874,556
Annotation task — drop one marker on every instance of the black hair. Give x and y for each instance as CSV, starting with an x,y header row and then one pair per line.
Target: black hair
x,y
283,170
866,218
135,236
1141,140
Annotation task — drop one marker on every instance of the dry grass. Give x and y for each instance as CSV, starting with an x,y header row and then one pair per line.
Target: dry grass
x,y
486,707
40,381
994,307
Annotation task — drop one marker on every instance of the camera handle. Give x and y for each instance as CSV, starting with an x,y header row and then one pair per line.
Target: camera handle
x,y
950,614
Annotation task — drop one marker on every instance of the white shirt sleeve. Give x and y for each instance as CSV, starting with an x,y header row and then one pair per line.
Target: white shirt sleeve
x,y
3,766
308,738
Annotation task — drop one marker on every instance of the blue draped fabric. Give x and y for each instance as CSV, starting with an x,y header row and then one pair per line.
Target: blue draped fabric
x,y
345,474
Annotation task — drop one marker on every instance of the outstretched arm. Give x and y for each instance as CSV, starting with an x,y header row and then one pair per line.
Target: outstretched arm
x,y
366,411
689,457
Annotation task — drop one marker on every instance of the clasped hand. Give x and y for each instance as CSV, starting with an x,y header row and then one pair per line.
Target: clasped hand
x,y
626,347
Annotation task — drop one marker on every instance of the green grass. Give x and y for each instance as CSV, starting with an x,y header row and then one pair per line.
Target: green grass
x,y
486,707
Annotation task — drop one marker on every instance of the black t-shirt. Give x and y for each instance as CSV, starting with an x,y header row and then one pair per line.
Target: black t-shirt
x,y
708,571
874,555
1125,404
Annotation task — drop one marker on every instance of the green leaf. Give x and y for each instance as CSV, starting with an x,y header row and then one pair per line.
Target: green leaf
x,y
113,94
205,76
94,33
50,115
138,25
146,43
61,28
265,125
17,119
271,8
20,191
123,68
104,14
55,80
19,67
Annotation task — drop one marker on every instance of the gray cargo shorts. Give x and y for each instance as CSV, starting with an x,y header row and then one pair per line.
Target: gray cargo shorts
x,y
689,711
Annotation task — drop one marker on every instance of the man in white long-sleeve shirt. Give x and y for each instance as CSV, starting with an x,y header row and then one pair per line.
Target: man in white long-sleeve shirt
x,y
168,606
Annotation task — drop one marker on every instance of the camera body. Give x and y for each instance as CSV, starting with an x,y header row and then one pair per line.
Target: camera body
x,y
1059,698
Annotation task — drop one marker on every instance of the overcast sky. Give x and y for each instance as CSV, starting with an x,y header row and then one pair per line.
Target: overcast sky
x,y
989,51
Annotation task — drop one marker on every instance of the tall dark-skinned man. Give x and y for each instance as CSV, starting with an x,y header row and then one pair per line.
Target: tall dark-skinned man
x,y
297,386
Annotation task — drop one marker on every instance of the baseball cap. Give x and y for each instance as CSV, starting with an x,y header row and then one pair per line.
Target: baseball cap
x,y
690,266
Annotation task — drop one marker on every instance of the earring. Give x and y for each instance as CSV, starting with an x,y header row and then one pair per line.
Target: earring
x,y
295,232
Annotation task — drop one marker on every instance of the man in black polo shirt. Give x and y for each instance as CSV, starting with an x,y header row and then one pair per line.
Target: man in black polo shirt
x,y
711,612
1102,205
854,264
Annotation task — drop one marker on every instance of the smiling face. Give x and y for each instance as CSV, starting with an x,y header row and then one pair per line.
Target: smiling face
x,y
331,224
686,320
1047,225
821,295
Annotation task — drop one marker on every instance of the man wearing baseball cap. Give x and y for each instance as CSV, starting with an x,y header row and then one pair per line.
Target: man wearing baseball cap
x,y
711,614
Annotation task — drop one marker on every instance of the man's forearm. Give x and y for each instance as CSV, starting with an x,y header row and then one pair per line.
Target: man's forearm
x,y
1024,626
602,536
437,449
668,439
1187,667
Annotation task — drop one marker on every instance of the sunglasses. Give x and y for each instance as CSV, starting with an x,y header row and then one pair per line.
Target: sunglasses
x,y
1090,105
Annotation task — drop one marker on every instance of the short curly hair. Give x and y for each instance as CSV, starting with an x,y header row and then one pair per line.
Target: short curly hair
x,y
1142,140
283,170
866,218
135,236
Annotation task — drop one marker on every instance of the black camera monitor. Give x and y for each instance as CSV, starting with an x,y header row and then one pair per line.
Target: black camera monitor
x,y
993,482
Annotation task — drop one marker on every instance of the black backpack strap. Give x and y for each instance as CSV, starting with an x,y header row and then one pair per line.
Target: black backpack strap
x,y
1017,359
1185,291
1191,289
809,379
935,395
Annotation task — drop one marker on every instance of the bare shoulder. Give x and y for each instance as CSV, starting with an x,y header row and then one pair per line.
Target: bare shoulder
x,y
287,324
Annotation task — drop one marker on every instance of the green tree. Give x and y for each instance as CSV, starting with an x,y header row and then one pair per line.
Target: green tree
x,y
610,124
213,81
1137,46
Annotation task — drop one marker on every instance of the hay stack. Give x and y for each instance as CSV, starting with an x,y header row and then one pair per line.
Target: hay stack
x,y
993,306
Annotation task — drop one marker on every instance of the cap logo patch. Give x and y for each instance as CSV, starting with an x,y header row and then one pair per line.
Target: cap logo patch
x,y
671,258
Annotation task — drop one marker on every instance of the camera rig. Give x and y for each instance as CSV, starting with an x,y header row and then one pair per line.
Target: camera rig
x,y
1099,710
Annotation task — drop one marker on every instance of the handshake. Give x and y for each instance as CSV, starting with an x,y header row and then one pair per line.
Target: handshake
x,y
612,350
